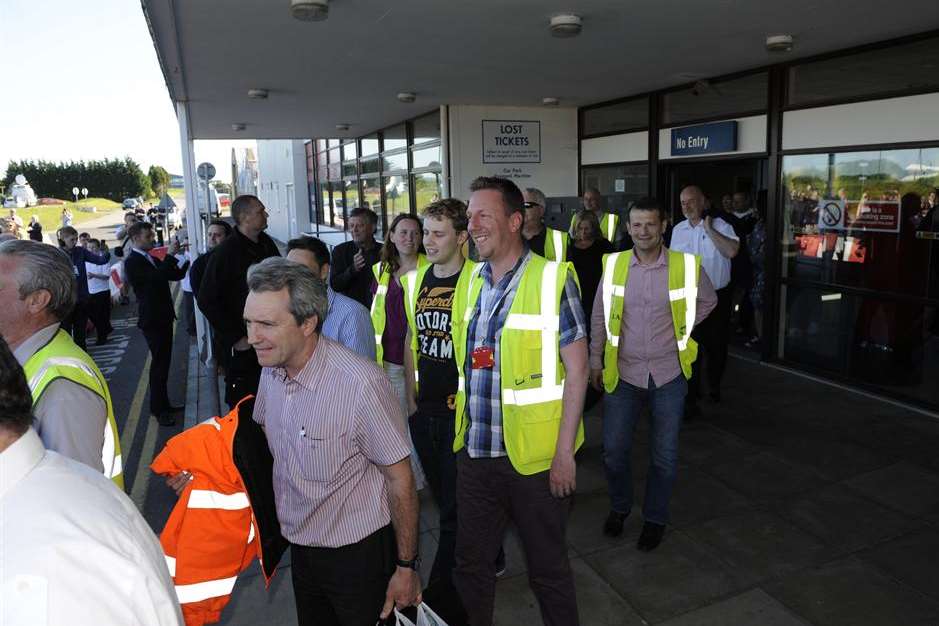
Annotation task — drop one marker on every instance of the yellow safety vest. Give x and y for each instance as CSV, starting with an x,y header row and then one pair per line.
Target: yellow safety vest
x,y
61,358
532,375
411,283
383,277
608,225
555,245
683,271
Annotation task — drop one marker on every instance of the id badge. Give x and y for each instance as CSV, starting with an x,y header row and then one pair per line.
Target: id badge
x,y
483,358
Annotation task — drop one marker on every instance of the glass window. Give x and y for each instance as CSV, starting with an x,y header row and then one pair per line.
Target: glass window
x,y
715,99
349,168
370,145
334,171
881,342
427,189
618,184
349,151
907,67
333,143
324,204
395,162
320,145
352,194
611,118
426,157
371,166
335,156
397,198
862,219
395,137
426,128
339,205
371,196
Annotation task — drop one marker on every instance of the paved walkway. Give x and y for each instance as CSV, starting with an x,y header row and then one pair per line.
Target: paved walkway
x,y
796,503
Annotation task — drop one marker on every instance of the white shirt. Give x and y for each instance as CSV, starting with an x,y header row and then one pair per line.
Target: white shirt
x,y
182,259
97,285
73,547
694,239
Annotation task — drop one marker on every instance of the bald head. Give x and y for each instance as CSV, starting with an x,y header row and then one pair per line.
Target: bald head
x,y
693,203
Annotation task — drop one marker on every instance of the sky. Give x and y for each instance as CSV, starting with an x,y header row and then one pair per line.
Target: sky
x,y
80,80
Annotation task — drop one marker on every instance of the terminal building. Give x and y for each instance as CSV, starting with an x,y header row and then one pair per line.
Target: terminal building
x,y
826,115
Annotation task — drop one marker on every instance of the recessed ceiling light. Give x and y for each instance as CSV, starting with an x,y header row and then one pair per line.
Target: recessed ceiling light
x,y
238,126
257,94
407,96
309,10
342,127
550,102
566,25
779,43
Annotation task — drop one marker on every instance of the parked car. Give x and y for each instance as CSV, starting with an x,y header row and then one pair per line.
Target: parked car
x,y
131,203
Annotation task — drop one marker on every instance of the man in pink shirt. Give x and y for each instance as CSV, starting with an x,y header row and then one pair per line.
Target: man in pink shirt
x,y
648,302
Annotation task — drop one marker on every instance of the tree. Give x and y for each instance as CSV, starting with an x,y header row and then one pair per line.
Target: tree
x,y
159,180
221,187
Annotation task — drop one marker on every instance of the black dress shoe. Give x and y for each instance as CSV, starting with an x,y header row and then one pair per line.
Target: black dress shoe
x,y
613,526
165,418
651,536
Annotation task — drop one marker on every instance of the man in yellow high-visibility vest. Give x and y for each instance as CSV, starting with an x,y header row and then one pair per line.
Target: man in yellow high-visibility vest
x,y
641,350
522,373
71,401
548,242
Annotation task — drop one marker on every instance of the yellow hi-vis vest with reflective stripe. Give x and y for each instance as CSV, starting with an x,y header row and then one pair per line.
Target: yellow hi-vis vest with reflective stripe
x,y
383,278
61,358
683,271
411,283
608,225
555,245
529,364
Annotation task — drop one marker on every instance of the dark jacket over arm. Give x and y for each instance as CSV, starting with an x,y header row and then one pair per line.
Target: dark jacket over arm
x,y
345,279
151,285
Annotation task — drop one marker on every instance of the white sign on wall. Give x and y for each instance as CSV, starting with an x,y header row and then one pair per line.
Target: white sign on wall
x,y
511,141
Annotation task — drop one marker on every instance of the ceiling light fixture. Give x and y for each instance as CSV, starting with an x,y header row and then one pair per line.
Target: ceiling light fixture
x,y
258,94
309,10
342,127
779,43
238,126
550,102
407,96
566,25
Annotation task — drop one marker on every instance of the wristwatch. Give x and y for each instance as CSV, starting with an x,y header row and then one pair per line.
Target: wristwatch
x,y
414,564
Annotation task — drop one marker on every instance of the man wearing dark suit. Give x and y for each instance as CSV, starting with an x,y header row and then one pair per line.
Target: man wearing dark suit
x,y
351,272
150,280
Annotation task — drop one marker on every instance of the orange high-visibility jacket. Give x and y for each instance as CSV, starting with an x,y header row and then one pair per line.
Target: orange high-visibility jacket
x,y
213,533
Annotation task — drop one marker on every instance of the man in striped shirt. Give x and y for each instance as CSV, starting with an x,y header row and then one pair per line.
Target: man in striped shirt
x,y
343,486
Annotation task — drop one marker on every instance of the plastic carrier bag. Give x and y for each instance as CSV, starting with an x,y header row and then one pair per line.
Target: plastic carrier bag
x,y
425,617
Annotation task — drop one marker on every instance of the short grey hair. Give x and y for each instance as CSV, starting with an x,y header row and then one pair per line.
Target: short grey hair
x,y
537,195
42,266
307,291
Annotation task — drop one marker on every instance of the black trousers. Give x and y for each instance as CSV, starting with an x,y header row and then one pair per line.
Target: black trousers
x,y
99,311
343,586
242,375
76,322
712,336
490,493
190,313
160,342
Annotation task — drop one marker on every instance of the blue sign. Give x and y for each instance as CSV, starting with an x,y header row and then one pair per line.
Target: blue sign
x,y
704,139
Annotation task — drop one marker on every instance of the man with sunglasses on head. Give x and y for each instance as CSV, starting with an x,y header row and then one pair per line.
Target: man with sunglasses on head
x,y
547,242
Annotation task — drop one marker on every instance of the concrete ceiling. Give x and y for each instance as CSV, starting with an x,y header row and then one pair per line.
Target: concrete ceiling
x,y
349,68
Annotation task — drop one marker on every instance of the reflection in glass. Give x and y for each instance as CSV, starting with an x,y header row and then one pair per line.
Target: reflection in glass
x,y
349,169
713,99
371,166
395,162
371,196
395,137
324,200
333,142
632,114
618,184
397,198
349,151
370,145
427,189
335,156
426,128
428,157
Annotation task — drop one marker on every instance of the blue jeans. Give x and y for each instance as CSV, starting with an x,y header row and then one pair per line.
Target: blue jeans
x,y
620,413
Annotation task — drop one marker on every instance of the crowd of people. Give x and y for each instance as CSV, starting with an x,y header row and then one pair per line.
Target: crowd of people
x,y
461,353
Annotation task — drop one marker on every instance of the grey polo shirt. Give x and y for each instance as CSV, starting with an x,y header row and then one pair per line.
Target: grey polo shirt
x,y
70,419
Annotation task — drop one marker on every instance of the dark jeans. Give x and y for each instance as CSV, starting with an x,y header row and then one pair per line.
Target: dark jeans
x,y
99,310
712,336
76,322
190,313
620,414
490,494
343,586
160,342
242,375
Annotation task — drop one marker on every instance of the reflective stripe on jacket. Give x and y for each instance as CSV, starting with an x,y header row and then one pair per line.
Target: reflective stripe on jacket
x,y
61,358
555,245
683,271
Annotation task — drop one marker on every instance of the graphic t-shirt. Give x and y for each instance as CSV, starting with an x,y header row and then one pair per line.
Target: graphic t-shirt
x,y
436,367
